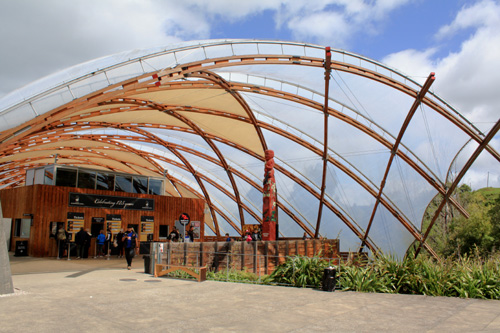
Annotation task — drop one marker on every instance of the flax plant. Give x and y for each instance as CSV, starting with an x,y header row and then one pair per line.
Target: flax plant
x,y
469,277
299,271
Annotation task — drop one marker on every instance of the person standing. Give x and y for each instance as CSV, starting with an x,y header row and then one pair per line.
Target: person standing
x,y
119,242
80,239
190,234
107,244
174,235
131,244
101,238
62,237
88,240
255,235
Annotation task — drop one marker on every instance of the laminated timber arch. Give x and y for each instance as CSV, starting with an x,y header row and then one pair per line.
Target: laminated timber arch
x,y
207,111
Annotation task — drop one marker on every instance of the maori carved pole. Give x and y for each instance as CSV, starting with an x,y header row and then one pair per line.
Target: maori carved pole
x,y
269,208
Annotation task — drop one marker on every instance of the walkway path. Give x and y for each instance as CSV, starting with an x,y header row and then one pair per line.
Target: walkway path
x,y
96,295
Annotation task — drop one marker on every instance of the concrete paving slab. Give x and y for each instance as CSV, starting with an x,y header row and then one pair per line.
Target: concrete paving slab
x,y
103,296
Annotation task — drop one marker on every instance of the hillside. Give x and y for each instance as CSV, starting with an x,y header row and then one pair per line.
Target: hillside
x,y
453,235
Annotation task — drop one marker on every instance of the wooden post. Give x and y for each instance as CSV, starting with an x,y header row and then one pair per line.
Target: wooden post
x,y
185,253
216,257
201,254
169,253
255,257
277,245
266,252
228,255
242,255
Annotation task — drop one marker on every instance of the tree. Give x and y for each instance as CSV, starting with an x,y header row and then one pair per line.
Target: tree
x,y
494,214
455,235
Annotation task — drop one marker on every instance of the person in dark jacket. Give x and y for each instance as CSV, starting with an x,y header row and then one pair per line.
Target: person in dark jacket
x,y
255,235
88,240
119,242
190,233
80,239
131,244
174,235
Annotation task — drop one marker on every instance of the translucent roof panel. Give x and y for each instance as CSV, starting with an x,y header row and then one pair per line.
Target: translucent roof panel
x,y
203,113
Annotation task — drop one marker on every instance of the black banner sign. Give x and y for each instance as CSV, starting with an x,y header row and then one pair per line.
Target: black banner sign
x,y
147,218
98,220
107,201
76,216
113,217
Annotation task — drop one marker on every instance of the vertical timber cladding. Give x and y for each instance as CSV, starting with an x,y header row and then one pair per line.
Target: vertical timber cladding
x,y
51,204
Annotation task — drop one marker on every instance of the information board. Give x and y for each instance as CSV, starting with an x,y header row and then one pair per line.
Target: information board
x,y
114,222
196,229
147,228
75,221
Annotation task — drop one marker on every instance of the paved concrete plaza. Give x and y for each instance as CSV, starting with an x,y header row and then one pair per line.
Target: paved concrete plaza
x,y
98,295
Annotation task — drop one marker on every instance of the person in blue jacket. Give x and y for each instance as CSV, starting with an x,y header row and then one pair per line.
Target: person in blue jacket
x,y
131,244
101,238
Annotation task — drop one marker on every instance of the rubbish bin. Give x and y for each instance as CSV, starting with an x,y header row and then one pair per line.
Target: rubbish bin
x,y
144,248
147,264
21,249
329,279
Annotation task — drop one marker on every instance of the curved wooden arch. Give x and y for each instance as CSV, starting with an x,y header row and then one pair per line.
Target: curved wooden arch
x,y
65,137
394,150
405,223
199,132
430,178
410,228
193,69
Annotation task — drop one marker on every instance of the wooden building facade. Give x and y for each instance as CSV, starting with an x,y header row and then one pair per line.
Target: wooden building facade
x,y
36,211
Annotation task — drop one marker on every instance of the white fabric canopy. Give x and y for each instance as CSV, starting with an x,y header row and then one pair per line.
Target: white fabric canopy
x,y
206,111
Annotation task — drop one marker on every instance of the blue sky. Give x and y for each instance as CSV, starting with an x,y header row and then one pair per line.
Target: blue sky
x,y
410,26
459,40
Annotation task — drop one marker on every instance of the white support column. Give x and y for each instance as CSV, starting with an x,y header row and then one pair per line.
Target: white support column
x,y
6,286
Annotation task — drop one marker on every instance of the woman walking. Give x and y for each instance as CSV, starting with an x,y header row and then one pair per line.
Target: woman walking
x,y
131,244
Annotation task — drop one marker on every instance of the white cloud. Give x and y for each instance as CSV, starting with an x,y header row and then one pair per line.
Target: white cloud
x,y
468,79
320,21
41,37
417,64
231,10
323,25
336,22
484,13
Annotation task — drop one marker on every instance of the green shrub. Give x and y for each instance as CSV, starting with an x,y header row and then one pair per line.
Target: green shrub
x,y
234,275
299,271
468,277
365,279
